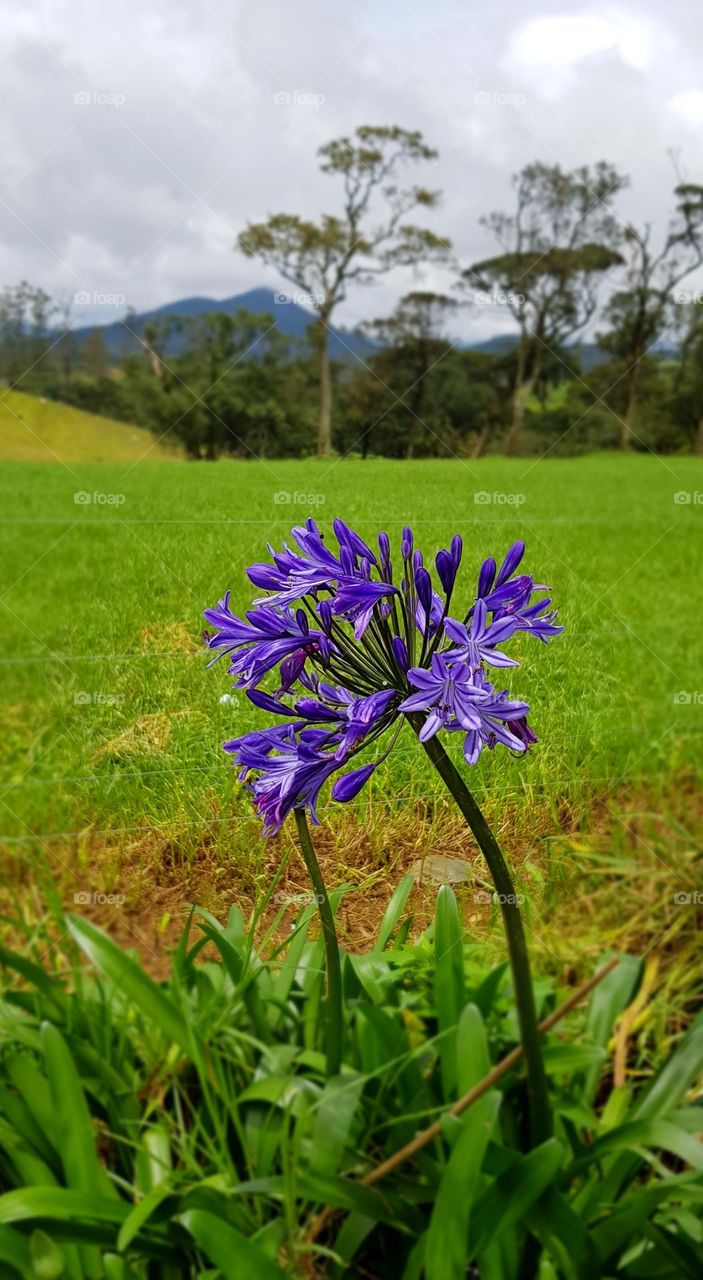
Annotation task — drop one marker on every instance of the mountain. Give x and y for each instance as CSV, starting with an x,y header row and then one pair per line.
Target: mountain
x,y
291,318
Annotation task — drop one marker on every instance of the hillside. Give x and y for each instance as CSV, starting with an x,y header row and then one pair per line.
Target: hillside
x,y
36,430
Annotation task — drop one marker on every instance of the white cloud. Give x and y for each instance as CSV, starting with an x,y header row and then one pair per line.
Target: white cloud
x,y
688,106
146,198
547,52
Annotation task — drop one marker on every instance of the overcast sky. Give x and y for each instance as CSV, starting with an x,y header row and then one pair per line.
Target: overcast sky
x,y
139,137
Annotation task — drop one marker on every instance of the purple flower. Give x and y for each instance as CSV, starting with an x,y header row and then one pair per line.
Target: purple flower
x,y
269,637
350,784
447,691
292,771
477,643
356,600
381,651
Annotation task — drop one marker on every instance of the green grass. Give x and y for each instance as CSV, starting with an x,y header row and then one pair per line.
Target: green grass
x,y
36,430
105,601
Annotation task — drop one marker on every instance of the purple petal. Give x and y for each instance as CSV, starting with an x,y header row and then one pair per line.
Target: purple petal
x,y
350,784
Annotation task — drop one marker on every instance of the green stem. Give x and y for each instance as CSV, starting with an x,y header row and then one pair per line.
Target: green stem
x,y
540,1111
335,1017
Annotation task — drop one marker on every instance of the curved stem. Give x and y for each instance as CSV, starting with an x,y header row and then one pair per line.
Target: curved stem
x,y
540,1110
335,1018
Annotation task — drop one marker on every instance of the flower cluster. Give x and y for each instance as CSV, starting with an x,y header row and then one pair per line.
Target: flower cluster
x,y
357,648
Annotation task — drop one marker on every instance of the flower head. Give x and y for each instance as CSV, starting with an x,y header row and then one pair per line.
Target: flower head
x,y
357,651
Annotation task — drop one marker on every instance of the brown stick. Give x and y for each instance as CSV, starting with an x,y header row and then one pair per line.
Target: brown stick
x,y
501,1068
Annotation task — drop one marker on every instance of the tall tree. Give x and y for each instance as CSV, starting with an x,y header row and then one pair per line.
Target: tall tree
x,y
25,332
688,400
556,246
369,238
640,313
94,358
416,333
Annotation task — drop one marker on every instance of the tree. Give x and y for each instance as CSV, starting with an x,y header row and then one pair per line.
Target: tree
x,y
688,395
640,312
556,246
25,332
65,349
94,360
415,332
216,397
323,258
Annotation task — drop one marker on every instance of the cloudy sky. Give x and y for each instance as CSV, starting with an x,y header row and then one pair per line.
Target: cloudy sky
x,y
139,137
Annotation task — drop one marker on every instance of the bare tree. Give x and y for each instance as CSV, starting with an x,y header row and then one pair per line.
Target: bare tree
x,y
640,313
323,258
556,247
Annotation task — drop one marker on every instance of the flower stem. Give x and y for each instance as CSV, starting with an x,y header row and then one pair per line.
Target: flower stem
x,y
540,1111
335,1017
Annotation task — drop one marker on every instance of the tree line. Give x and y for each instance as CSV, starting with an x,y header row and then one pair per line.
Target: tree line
x,y
566,265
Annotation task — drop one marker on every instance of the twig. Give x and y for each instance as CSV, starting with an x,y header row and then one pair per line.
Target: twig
x,y
501,1068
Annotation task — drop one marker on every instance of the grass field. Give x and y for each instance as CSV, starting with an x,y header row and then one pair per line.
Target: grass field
x,y
111,725
35,430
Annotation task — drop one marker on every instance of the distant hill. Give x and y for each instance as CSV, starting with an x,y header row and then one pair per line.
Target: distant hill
x,y
587,353
37,430
291,318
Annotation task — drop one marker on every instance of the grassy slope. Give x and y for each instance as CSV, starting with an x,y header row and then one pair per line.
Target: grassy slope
x,y
36,430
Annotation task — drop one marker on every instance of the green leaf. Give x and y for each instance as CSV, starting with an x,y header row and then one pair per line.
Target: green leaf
x,y
670,1085
334,1118
625,1223
129,978
140,1214
243,976
37,976
74,1128
472,1052
447,1237
14,1250
449,993
48,1262
376,977
506,1201
659,1134
607,1002
554,1223
665,1093
393,912
343,1193
80,1217
234,1254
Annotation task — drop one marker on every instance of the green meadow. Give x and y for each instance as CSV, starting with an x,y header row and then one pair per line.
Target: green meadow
x,y
112,723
